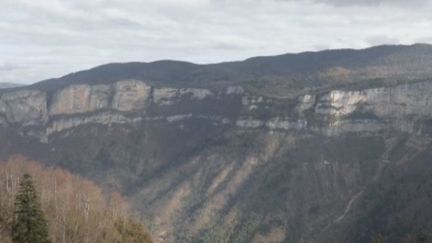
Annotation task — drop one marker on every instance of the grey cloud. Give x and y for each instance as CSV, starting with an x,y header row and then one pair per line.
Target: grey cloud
x,y
376,2
7,67
413,3
382,39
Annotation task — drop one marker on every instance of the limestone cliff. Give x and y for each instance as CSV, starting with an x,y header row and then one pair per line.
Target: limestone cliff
x,y
128,101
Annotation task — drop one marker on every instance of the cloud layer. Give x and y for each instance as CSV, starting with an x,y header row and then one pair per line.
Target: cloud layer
x,y
41,39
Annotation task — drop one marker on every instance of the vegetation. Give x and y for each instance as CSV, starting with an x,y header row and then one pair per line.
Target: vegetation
x,y
420,237
378,239
65,208
29,222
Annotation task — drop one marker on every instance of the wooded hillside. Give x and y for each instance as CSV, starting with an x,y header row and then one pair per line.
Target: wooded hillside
x,y
76,209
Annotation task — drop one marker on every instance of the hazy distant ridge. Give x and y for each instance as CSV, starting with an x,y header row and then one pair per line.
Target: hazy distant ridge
x,y
9,85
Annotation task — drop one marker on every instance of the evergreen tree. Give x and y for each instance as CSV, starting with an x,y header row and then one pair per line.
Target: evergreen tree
x,y
29,225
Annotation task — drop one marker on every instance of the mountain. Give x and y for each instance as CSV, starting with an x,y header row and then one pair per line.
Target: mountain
x,y
9,85
270,76
315,147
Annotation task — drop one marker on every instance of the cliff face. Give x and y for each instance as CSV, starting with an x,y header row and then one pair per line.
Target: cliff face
x,y
223,163
333,112
71,106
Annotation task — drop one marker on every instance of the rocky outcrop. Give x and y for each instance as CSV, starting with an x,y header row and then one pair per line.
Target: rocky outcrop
x,y
337,111
81,104
399,101
130,95
169,96
77,99
104,118
25,107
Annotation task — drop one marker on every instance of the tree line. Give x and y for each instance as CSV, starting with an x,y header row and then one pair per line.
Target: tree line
x,y
51,205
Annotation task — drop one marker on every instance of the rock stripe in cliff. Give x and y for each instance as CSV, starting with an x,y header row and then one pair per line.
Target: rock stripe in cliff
x,y
396,107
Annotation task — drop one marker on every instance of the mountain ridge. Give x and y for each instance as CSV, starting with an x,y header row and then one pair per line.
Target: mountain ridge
x,y
226,161
10,85
289,67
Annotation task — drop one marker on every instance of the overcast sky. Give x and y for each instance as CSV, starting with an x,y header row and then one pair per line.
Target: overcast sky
x,y
41,39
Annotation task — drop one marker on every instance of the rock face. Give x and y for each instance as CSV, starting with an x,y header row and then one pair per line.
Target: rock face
x,y
77,99
402,100
225,163
335,111
128,95
25,107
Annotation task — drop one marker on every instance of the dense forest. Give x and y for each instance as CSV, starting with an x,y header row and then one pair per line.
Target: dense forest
x,y
75,209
